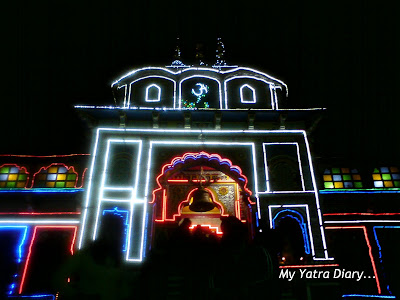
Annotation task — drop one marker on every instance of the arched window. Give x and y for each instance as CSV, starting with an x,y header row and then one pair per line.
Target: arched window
x,y
293,230
13,176
153,93
247,94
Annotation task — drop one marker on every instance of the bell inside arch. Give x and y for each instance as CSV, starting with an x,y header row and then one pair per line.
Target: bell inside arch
x,y
202,201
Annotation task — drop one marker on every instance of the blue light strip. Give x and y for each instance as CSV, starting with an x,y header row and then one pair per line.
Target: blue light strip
x,y
120,213
379,247
303,227
18,250
52,297
41,190
369,296
361,191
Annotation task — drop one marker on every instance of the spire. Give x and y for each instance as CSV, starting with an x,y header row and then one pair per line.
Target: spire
x,y
220,53
177,63
177,52
200,54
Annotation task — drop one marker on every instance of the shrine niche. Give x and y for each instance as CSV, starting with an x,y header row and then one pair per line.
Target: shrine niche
x,y
206,178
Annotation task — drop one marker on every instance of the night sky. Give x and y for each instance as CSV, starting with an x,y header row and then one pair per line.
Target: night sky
x,y
342,55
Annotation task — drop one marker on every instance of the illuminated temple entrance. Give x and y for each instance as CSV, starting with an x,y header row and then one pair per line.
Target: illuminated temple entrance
x,y
194,175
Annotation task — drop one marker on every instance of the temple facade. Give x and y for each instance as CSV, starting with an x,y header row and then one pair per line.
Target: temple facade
x,y
201,143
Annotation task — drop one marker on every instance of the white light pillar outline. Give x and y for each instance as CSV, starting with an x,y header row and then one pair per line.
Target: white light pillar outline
x,y
266,166
249,134
132,200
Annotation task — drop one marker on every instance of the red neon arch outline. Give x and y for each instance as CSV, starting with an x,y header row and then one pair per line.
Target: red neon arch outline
x,y
55,164
20,168
75,228
182,159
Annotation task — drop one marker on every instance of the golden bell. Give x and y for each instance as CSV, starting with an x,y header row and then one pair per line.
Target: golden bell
x,y
202,201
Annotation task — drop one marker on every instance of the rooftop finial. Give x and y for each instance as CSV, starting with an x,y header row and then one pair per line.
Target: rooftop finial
x,y
177,52
200,54
177,63
220,53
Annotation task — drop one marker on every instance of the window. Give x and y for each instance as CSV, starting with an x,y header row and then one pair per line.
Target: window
x,y
386,177
153,93
247,94
342,178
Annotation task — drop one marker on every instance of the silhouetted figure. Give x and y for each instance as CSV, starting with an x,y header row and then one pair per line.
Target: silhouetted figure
x,y
95,271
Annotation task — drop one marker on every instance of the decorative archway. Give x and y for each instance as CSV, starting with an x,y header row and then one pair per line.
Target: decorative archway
x,y
298,217
179,178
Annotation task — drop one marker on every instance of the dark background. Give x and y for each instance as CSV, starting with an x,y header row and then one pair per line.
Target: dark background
x,y
343,55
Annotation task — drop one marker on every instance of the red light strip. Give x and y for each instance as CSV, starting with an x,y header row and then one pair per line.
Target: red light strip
x,y
52,165
369,250
39,156
208,226
31,244
362,214
308,266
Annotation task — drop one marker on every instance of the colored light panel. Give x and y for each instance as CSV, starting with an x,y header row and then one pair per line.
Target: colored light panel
x,y
339,178
55,176
386,177
13,176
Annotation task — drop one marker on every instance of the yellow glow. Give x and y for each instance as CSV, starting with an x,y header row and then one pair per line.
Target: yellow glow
x,y
52,170
20,184
376,177
12,177
50,184
388,183
327,177
61,176
338,185
70,184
